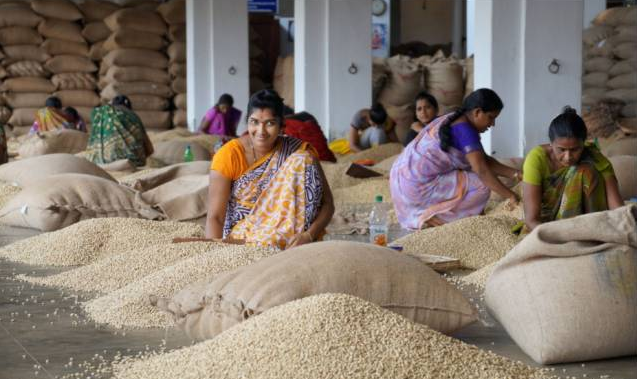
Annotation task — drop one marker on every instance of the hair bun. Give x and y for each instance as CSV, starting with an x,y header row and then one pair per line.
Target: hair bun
x,y
568,110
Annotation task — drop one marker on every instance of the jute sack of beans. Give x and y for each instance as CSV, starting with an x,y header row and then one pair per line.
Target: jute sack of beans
x,y
609,17
177,32
79,98
17,53
626,50
135,88
18,16
177,70
179,85
58,141
598,64
96,31
595,79
177,52
157,120
624,34
623,67
602,49
62,200
19,35
26,171
135,57
181,199
180,118
627,95
596,33
70,64
61,9
96,52
403,83
628,125
54,46
145,21
403,116
568,291
171,152
600,121
166,174
59,29
283,80
173,12
74,81
148,103
469,78
625,167
136,74
624,146
380,275
5,114
133,39
96,10
444,81
26,100
23,116
27,69
624,81
591,96
180,101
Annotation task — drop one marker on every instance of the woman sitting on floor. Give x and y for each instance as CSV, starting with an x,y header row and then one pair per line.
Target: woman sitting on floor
x,y
222,119
267,189
567,177
305,127
444,174
426,107
51,117
117,133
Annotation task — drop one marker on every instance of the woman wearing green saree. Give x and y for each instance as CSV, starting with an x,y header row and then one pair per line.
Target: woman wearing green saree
x,y
567,177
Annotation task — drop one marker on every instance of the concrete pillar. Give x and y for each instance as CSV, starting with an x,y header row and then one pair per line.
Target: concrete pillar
x,y
591,9
332,38
217,55
512,55
470,18
457,28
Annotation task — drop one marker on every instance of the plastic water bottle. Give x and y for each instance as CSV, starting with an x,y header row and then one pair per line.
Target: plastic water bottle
x,y
378,223
188,156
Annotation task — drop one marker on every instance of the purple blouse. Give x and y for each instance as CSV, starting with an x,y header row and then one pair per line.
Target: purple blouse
x,y
465,138
222,124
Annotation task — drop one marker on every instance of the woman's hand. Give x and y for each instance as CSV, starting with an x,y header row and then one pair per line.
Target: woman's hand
x,y
300,239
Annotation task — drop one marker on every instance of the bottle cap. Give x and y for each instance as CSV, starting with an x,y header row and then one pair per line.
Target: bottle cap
x,y
379,198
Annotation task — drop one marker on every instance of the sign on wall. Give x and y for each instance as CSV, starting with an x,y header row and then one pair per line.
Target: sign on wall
x,y
266,6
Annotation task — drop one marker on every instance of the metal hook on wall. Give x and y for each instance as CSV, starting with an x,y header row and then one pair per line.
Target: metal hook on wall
x,y
554,66
232,70
353,69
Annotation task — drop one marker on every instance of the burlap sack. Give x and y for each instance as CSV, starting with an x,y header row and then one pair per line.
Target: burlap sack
x,y
626,50
625,167
404,81
158,120
147,5
5,114
179,85
120,166
135,57
600,121
19,35
609,17
25,172
380,275
3,73
379,76
595,79
180,119
17,53
26,99
591,36
170,173
624,34
603,49
78,98
59,141
172,152
96,10
136,74
27,85
469,78
74,81
148,103
283,80
568,291
180,101
177,52
593,95
177,32
133,39
55,46
62,200
18,16
444,81
85,113
623,67
70,63
173,12
627,95
181,199
624,81
598,64
629,18
177,70
22,116
145,21
403,116
96,31
96,52
27,69
59,29
629,110
135,88
61,9
624,146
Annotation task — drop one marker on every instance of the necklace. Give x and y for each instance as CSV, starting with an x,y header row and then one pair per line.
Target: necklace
x,y
254,154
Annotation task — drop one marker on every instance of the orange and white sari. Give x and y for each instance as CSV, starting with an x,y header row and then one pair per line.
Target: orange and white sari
x,y
278,197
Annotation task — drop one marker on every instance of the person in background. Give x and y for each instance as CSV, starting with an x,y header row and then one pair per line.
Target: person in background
x,y
117,133
305,127
444,174
265,188
426,107
75,120
371,127
567,177
51,117
222,119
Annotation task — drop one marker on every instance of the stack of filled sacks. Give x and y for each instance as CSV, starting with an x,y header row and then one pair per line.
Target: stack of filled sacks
x,y
135,65
468,77
597,59
444,80
283,81
26,85
379,77
73,71
397,96
174,13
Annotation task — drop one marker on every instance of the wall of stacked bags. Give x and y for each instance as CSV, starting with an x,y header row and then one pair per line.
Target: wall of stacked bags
x,y
87,52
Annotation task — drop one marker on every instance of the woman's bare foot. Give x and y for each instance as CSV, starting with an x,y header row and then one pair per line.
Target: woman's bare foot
x,y
434,221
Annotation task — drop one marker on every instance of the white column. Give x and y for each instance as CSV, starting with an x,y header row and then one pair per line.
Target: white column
x,y
457,27
331,37
217,55
591,9
471,26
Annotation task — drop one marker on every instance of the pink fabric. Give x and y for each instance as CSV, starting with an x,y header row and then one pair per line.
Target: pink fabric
x,y
222,124
426,181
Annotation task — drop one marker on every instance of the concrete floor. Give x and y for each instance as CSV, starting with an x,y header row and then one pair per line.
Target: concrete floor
x,y
43,333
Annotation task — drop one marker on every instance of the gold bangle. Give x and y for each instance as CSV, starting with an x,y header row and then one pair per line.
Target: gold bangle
x,y
309,235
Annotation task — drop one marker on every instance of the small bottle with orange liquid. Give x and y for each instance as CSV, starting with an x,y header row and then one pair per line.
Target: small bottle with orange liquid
x,y
378,223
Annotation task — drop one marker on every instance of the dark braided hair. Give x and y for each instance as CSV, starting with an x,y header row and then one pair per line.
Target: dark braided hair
x,y
484,99
122,100
266,99
567,125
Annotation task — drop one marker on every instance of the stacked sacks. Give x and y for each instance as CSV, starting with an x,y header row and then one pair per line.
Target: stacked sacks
x,y
445,81
622,83
468,77
379,77
25,84
73,71
597,57
283,80
135,65
174,13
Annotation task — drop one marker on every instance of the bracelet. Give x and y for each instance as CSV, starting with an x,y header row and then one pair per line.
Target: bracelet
x,y
309,235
